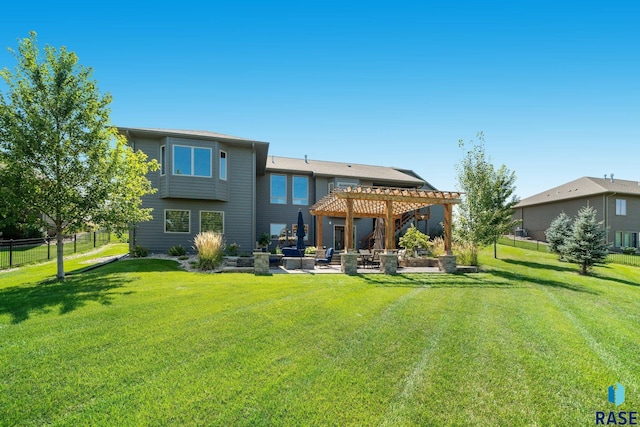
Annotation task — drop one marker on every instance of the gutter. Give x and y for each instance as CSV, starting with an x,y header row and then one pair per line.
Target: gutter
x,y
253,191
132,228
606,214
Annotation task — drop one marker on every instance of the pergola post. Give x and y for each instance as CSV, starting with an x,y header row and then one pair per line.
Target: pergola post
x,y
320,219
389,225
348,229
448,217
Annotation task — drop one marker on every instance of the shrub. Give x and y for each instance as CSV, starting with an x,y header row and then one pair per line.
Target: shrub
x,y
629,250
139,251
232,249
210,247
414,239
178,250
310,250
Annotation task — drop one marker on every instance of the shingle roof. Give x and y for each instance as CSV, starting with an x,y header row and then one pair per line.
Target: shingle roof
x,y
582,187
346,170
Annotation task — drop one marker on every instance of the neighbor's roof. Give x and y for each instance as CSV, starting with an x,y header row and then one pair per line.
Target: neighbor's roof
x,y
582,187
345,170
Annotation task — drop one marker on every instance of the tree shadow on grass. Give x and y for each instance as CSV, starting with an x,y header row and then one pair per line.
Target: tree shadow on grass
x,y
522,278
438,280
574,269
74,292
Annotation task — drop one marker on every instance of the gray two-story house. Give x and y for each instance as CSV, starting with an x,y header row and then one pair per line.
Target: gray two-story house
x,y
214,182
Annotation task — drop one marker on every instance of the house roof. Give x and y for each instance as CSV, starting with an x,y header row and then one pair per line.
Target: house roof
x,y
582,187
377,174
261,147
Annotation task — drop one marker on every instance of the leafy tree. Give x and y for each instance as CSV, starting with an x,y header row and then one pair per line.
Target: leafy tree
x,y
60,155
586,245
558,233
413,239
485,212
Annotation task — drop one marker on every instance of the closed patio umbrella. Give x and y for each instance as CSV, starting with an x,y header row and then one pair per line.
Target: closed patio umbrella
x,y
300,234
378,234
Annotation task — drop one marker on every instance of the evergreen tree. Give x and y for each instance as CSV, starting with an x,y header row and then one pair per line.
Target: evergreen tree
x,y
558,233
586,245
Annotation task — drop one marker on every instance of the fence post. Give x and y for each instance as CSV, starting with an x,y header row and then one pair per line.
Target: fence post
x,y
11,253
94,239
48,247
75,239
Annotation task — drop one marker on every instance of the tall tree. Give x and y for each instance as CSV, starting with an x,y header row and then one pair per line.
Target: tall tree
x,y
586,244
60,155
485,212
558,233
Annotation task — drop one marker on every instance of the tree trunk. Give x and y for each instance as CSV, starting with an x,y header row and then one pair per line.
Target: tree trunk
x,y
495,249
60,254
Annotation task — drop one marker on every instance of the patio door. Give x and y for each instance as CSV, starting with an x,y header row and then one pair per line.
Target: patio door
x,y
339,237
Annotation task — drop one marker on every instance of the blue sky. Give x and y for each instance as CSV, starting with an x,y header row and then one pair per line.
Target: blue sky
x,y
554,86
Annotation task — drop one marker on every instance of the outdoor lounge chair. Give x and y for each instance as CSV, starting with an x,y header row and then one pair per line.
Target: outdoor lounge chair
x,y
325,261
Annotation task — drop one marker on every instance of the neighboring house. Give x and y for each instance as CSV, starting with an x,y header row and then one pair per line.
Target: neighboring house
x,y
210,181
617,203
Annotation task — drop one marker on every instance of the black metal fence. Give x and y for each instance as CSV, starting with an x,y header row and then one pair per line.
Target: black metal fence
x,y
14,253
535,245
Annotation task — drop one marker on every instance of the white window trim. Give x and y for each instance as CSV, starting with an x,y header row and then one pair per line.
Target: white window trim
x,y
293,198
163,161
226,165
164,221
192,148
271,189
220,212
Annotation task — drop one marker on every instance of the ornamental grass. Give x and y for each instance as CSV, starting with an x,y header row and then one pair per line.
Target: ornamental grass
x,y
210,247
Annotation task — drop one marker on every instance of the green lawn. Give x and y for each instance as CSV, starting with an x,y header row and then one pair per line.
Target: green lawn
x,y
138,342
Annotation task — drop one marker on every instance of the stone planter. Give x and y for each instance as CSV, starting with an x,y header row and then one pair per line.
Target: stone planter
x,y
418,262
389,263
261,263
349,263
447,263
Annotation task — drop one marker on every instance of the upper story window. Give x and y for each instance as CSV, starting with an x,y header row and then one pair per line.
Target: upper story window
x,y
223,165
191,161
163,159
621,207
278,189
300,190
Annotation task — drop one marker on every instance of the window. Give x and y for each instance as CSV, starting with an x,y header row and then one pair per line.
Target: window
x,y
176,221
212,221
631,240
294,230
192,161
300,190
621,207
276,230
618,243
163,159
223,165
330,187
279,189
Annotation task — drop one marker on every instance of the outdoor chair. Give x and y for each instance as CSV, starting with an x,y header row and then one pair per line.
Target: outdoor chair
x,y
325,261
365,257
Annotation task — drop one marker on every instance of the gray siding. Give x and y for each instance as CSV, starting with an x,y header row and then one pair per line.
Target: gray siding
x,y
238,208
537,218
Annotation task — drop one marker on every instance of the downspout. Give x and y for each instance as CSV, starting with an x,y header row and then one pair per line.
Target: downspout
x,y
253,191
606,213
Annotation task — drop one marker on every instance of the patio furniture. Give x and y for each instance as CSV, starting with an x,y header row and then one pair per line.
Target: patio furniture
x,y
325,261
291,252
365,257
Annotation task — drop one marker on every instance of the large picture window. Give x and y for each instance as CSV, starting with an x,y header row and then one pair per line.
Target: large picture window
x,y
278,230
278,189
621,207
176,221
191,161
212,221
300,190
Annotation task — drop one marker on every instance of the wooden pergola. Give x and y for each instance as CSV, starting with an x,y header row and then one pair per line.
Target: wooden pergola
x,y
382,202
